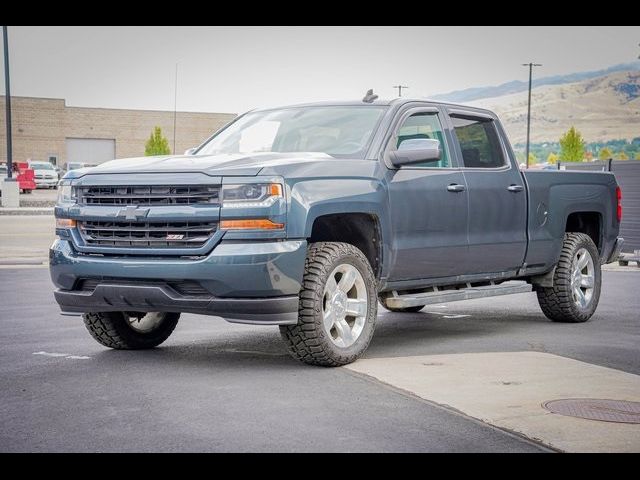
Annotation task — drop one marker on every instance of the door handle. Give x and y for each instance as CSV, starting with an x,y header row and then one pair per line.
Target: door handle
x,y
515,188
454,187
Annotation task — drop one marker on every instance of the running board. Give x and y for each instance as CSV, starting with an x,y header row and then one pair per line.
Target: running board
x,y
451,294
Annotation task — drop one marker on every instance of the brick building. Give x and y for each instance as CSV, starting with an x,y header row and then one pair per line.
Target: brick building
x,y
48,129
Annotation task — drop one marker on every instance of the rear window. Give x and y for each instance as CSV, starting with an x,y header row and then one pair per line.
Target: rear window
x,y
479,142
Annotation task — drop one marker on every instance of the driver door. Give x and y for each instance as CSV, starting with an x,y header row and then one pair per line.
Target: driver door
x,y
428,205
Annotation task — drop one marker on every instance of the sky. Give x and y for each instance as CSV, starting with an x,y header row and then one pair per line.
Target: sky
x,y
234,69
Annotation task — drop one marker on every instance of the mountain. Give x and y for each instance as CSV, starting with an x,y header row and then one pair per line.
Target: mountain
x,y
515,86
602,108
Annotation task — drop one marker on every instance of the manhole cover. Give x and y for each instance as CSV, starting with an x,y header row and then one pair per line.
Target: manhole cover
x,y
618,411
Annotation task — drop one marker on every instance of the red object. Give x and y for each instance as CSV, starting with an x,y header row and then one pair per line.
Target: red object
x,y
619,198
25,176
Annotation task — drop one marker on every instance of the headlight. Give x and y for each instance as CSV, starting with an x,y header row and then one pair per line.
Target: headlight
x,y
66,193
251,195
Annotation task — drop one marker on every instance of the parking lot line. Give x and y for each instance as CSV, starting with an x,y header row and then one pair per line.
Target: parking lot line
x,y
507,390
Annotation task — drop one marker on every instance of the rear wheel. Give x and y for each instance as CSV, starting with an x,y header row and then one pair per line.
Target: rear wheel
x,y
130,330
337,309
576,282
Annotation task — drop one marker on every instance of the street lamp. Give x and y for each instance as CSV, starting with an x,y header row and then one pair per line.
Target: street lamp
x,y
530,65
7,102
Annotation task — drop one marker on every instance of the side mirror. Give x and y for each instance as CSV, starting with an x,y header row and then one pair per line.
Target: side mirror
x,y
190,151
416,150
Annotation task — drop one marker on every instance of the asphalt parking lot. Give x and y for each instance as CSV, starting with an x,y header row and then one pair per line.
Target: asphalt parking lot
x,y
215,386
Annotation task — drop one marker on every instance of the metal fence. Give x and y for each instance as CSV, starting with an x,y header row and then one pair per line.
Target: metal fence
x,y
627,174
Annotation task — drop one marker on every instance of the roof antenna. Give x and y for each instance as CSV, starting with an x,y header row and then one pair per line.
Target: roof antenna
x,y
370,97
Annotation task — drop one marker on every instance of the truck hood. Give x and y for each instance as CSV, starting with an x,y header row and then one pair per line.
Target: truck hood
x,y
214,165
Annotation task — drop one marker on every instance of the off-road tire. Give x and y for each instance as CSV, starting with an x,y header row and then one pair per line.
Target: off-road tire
x,y
112,330
557,302
308,341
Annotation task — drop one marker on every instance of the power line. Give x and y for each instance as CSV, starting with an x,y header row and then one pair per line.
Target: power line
x,y
400,87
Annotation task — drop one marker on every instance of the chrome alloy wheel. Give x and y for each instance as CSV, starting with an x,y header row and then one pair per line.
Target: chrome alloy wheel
x,y
344,305
147,323
582,278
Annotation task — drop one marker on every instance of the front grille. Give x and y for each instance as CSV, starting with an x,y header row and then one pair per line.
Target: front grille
x,y
187,288
149,195
147,234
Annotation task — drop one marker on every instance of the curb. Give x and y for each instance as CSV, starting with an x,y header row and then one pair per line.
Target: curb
x,y
26,211
20,261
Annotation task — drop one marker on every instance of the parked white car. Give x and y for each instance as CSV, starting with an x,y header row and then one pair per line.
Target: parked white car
x,y
45,174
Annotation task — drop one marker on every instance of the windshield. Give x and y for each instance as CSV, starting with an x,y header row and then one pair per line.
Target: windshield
x,y
41,166
340,131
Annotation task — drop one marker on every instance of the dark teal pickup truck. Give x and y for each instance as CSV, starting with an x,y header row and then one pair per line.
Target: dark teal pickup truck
x,y
306,216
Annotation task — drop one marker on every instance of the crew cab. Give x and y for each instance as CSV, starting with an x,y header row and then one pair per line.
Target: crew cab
x,y
307,216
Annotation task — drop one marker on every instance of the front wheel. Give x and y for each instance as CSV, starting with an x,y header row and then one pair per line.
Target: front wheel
x,y
337,309
576,282
130,330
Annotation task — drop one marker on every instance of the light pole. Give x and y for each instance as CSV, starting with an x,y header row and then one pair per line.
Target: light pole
x,y
530,65
7,99
175,108
400,87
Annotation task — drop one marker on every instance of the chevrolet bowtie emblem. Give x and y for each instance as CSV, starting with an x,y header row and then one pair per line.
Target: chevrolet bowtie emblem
x,y
132,212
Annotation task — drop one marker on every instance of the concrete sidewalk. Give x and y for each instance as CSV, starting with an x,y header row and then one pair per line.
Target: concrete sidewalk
x,y
507,389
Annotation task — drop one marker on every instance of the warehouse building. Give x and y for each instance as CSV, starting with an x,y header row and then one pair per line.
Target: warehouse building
x,y
46,129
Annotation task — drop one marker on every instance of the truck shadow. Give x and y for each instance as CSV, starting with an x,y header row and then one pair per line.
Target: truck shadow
x,y
397,335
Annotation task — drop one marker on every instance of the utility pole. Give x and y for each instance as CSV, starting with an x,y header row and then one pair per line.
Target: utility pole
x,y
530,65
7,99
175,108
400,87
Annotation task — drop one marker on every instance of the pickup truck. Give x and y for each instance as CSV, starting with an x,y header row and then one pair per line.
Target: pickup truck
x,y
307,216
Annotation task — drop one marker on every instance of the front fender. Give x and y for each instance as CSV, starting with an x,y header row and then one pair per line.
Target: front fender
x,y
310,199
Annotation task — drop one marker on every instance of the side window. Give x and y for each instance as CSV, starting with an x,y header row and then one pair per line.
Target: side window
x,y
425,125
479,142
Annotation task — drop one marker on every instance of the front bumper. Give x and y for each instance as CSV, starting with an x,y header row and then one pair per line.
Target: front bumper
x,y
617,249
247,282
46,182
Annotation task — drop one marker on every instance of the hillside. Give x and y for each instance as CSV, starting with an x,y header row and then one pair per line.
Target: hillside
x,y
602,108
515,86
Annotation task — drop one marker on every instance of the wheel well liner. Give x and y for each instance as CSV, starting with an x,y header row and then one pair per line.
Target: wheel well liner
x,y
359,229
589,223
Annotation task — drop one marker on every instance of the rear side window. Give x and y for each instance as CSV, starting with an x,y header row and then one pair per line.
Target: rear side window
x,y
479,142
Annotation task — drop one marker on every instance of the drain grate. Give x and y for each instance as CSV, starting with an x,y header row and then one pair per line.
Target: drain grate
x,y
617,411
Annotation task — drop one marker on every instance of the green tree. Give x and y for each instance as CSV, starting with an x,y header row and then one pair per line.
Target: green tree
x,y
637,156
572,146
552,158
532,159
157,144
605,153
623,156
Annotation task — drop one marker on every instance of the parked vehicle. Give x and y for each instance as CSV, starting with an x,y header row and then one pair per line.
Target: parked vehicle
x,y
46,175
23,174
306,216
77,165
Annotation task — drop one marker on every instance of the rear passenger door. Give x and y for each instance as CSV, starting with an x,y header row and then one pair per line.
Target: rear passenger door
x,y
497,195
